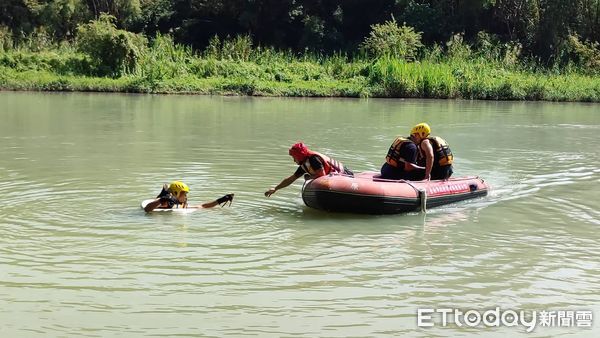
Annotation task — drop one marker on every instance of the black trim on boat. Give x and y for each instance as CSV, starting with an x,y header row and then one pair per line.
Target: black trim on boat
x,y
373,204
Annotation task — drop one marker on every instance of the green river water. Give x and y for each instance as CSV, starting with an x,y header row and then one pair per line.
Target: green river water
x,y
79,258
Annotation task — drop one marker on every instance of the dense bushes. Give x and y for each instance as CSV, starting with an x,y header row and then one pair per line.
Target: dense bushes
x,y
486,70
113,51
393,63
393,40
584,54
540,27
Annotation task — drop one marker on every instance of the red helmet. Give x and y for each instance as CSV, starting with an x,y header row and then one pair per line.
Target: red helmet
x,y
299,152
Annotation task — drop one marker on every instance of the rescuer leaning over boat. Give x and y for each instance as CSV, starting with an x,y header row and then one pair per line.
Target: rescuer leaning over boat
x,y
312,163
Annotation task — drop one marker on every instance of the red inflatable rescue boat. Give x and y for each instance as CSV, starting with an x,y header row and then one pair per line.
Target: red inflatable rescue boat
x,y
365,193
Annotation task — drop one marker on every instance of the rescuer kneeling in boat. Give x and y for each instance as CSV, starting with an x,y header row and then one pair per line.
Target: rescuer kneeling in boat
x,y
174,195
312,163
401,160
433,153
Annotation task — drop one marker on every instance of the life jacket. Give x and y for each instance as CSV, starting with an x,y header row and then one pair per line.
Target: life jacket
x,y
176,204
442,155
173,202
330,165
393,156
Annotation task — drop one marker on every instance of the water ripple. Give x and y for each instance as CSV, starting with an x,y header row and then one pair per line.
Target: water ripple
x,y
78,257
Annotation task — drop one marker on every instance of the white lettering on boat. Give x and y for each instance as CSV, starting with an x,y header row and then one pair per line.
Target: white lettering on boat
x,y
447,189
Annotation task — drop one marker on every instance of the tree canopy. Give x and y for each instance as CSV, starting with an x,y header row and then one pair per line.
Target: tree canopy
x,y
541,27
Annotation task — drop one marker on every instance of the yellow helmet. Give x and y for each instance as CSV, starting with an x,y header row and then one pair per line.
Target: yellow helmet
x,y
422,129
176,187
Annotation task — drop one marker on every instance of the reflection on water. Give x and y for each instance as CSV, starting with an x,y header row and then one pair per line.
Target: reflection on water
x,y
78,257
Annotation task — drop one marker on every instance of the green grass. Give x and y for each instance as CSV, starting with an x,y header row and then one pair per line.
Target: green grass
x,y
171,68
478,80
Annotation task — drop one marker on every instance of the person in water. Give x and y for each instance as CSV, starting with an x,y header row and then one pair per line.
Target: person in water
x,y
175,194
401,160
433,153
312,163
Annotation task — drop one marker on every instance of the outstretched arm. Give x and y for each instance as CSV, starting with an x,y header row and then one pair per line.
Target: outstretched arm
x,y
208,204
284,183
221,200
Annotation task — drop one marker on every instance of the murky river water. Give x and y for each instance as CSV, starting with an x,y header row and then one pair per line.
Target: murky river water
x,y
79,258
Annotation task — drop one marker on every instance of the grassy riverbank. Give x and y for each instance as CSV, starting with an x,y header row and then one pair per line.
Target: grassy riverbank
x,y
170,68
